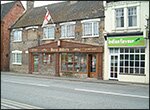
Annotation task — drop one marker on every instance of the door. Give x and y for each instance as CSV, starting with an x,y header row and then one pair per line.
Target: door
x,y
36,63
92,65
114,66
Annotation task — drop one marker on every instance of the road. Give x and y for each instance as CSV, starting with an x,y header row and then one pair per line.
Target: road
x,y
37,93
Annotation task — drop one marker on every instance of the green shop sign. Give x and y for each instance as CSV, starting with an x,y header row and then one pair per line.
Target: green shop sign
x,y
130,41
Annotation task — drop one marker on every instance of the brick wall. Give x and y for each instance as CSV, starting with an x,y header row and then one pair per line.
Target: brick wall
x,y
15,12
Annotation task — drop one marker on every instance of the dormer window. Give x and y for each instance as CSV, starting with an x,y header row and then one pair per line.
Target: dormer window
x,y
90,28
49,32
68,30
17,36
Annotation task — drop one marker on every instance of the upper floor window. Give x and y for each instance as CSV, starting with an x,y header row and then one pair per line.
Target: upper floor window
x,y
17,35
119,17
90,28
16,57
132,16
68,30
49,32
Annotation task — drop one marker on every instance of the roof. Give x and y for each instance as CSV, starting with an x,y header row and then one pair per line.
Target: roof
x,y
5,8
62,12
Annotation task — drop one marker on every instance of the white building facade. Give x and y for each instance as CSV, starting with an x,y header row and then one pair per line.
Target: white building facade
x,y
126,55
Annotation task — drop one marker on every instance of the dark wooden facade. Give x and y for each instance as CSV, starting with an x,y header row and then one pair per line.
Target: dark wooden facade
x,y
59,47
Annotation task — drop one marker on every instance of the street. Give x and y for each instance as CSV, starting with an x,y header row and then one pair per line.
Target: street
x,y
41,93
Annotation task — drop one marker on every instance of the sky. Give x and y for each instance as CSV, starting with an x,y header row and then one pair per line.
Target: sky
x,y
36,3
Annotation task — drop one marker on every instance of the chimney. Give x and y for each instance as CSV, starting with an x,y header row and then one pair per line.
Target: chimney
x,y
30,4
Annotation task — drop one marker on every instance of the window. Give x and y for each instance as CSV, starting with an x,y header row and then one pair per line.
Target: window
x,y
16,57
126,17
47,58
132,60
49,32
119,17
17,35
68,30
90,28
73,62
132,17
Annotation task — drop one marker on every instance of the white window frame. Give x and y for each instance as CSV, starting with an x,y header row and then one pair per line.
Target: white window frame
x,y
126,27
92,21
14,54
120,18
51,26
65,32
19,37
119,53
128,16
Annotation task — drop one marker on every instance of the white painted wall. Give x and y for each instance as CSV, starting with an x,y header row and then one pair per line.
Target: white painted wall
x,y
143,11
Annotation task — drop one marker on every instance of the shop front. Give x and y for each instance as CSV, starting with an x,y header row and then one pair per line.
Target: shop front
x,y
127,58
63,58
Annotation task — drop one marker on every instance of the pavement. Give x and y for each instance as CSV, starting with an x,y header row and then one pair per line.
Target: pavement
x,y
90,80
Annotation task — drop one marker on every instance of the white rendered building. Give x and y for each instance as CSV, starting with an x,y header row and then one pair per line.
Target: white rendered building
x,y
126,51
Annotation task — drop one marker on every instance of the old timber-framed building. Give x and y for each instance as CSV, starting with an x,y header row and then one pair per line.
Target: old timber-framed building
x,y
73,45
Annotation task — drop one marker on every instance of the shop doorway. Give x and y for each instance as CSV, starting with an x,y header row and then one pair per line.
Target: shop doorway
x,y
114,66
36,63
92,66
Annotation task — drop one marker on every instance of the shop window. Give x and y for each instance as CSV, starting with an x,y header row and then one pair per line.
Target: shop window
x,y
132,60
47,58
73,62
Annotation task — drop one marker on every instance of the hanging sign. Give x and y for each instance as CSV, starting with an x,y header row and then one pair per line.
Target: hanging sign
x,y
130,41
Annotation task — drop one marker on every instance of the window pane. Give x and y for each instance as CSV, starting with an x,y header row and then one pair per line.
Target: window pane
x,y
142,64
83,63
119,17
136,70
121,70
136,64
126,57
121,50
142,57
131,57
126,63
142,70
131,63
121,63
87,29
136,57
131,70
142,50
131,50
64,61
95,28
132,17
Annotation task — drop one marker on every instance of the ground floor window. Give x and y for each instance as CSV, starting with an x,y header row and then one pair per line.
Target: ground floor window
x,y
131,60
47,58
74,62
16,57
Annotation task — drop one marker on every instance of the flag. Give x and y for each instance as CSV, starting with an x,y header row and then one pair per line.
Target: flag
x,y
46,18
